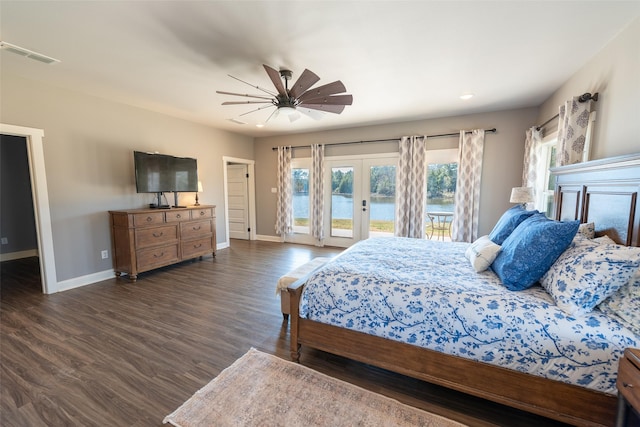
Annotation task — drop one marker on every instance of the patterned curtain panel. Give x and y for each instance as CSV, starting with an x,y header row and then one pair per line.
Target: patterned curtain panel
x,y
573,120
317,193
411,182
467,199
532,145
284,213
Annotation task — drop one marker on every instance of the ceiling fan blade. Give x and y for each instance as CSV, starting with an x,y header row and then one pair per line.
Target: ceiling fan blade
x,y
330,100
245,102
253,86
257,109
324,90
243,94
304,82
337,109
274,75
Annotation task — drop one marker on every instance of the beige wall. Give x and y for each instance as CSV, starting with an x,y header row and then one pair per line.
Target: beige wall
x,y
502,156
88,147
613,73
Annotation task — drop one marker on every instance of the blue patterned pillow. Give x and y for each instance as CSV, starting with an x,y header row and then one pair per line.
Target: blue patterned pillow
x,y
624,305
508,222
587,273
531,249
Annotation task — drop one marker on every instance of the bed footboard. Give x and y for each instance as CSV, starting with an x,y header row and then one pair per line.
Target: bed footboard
x,y
563,402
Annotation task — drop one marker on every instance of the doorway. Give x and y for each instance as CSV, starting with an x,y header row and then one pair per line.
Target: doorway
x,y
239,198
238,201
40,195
359,199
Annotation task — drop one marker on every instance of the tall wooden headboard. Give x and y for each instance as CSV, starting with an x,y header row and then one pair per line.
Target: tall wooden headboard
x,y
604,192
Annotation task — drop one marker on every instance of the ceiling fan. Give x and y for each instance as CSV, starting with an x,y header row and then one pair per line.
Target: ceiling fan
x,y
300,98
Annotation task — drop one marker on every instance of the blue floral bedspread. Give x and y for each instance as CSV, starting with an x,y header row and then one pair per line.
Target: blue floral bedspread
x,y
426,293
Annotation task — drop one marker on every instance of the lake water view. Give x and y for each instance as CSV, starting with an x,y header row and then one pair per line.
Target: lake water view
x,y
382,208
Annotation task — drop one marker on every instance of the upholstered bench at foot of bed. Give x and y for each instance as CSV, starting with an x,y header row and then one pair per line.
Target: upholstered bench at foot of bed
x,y
292,276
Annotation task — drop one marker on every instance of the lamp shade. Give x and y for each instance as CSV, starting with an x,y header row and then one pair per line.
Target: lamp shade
x,y
200,187
522,195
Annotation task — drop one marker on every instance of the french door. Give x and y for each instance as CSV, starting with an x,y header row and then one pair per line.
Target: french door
x,y
359,199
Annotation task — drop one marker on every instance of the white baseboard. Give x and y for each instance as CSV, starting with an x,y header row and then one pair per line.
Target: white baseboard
x,y
77,282
265,238
10,256
222,245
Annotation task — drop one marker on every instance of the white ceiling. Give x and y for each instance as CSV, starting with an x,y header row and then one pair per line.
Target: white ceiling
x,y
401,60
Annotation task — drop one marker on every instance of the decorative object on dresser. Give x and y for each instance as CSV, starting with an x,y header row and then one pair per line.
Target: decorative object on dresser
x,y
200,190
629,388
145,239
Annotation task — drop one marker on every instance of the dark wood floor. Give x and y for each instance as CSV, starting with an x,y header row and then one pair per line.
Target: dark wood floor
x,y
122,354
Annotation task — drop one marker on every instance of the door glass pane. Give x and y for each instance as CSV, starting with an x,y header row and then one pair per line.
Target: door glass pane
x,y
342,202
300,180
382,200
441,188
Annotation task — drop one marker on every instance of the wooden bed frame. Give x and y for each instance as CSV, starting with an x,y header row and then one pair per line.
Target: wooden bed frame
x,y
602,191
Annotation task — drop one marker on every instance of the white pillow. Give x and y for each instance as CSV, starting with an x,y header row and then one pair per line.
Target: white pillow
x,y
588,230
587,273
604,239
481,253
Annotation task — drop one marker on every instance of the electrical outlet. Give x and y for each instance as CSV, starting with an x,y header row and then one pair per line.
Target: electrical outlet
x,y
4,241
105,254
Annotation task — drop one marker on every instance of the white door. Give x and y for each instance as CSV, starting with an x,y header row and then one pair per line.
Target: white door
x,y
238,199
359,199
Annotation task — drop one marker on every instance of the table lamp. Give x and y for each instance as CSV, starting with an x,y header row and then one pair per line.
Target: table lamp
x,y
199,191
522,195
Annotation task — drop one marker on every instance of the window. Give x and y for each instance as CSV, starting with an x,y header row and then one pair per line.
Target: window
x,y
546,182
442,177
545,187
300,200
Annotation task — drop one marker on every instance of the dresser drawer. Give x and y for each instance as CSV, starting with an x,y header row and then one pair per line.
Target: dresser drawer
x,y
629,382
155,257
194,248
202,213
178,215
194,229
148,218
154,236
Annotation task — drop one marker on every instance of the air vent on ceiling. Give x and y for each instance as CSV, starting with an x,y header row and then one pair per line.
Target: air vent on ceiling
x,y
27,53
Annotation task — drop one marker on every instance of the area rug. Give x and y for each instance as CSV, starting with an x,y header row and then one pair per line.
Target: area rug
x,y
263,390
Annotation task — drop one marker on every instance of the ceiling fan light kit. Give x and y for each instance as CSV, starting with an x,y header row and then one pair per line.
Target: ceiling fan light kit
x,y
299,99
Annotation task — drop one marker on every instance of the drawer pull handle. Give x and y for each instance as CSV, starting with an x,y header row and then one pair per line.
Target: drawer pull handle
x,y
201,213
178,216
197,228
627,385
159,256
197,246
158,235
149,219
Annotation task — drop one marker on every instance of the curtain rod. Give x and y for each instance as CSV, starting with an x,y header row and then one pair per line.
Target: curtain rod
x,y
583,98
494,130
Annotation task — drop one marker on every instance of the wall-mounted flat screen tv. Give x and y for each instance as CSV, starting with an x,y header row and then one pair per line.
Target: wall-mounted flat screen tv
x,y
161,173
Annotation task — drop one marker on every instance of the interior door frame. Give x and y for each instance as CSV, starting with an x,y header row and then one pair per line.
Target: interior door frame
x,y
40,194
226,160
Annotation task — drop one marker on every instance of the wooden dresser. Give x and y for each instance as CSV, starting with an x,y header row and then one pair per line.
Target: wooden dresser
x,y
629,388
145,239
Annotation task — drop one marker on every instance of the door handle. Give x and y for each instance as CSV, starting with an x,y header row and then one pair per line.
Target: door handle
x,y
364,206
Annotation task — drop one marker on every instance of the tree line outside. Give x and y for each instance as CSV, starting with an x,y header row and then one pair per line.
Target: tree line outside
x,y
441,181
441,187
